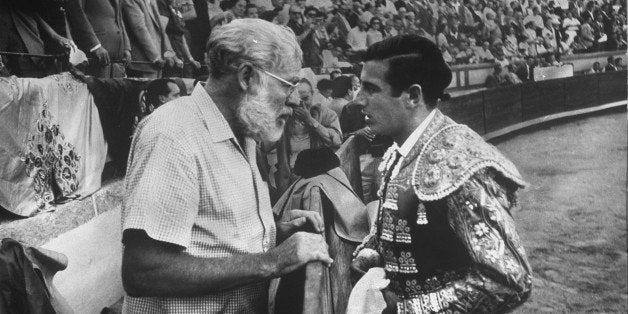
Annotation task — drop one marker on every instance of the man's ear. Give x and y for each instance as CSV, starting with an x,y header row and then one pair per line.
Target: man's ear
x,y
415,96
162,98
245,76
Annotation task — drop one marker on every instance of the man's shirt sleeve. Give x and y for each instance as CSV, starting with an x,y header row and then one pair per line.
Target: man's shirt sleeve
x,y
161,187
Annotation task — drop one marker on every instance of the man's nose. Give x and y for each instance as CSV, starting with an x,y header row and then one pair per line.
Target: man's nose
x,y
360,98
293,99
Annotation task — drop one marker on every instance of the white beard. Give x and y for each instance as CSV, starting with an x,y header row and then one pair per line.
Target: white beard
x,y
260,118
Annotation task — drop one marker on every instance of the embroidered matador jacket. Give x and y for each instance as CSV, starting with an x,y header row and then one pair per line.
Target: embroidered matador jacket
x,y
444,227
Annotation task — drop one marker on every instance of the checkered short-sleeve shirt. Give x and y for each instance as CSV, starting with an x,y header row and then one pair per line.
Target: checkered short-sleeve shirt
x,y
191,184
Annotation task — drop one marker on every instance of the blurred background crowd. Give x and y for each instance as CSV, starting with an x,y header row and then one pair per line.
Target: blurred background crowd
x,y
155,38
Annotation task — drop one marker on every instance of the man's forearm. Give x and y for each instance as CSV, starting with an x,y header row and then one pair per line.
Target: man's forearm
x,y
150,270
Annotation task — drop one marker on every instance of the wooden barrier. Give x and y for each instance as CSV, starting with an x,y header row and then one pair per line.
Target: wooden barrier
x,y
506,106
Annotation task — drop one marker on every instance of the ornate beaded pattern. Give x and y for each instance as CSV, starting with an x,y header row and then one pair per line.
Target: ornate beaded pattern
x,y
407,264
437,302
402,232
391,262
450,157
388,227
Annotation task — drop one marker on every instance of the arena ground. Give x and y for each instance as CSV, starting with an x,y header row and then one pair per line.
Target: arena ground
x,y
572,219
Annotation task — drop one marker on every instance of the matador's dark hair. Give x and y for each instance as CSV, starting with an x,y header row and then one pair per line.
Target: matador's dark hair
x,y
413,59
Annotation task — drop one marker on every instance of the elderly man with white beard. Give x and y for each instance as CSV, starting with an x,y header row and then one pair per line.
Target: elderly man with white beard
x,y
198,229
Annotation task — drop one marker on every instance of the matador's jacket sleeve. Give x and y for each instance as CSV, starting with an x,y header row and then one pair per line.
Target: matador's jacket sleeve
x,y
444,228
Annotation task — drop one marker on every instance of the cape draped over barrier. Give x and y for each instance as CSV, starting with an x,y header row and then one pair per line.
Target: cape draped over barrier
x,y
51,142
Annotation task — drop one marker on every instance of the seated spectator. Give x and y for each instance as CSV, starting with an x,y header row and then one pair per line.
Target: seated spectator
x,y
374,33
496,78
509,75
550,35
484,53
587,36
597,68
323,96
511,43
491,30
251,11
619,64
610,65
550,59
237,7
531,39
441,36
357,37
571,26
342,93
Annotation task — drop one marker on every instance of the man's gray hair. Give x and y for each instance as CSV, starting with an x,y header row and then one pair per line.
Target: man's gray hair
x,y
261,43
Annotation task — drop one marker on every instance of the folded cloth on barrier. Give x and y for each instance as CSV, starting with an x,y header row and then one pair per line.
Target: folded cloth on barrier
x,y
350,216
26,275
51,142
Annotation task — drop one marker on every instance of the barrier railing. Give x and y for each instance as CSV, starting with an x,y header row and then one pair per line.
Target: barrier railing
x,y
493,109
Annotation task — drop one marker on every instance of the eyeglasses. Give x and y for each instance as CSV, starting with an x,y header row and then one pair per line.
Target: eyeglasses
x,y
292,86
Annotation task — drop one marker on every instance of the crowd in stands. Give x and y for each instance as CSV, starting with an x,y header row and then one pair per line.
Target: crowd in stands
x,y
154,38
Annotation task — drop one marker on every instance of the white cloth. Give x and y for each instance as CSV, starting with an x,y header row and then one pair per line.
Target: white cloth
x,y
366,296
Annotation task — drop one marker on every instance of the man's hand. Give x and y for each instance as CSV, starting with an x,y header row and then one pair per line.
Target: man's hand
x,y
126,57
178,63
159,63
298,250
303,115
102,55
195,64
366,259
366,133
299,220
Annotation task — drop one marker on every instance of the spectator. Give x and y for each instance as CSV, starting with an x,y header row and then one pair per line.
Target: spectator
x,y
353,17
597,68
323,96
571,25
357,37
551,35
251,11
511,44
159,92
175,29
587,34
374,34
334,74
441,37
610,65
484,54
619,64
535,18
496,78
106,19
149,42
342,93
276,15
509,75
237,7
311,126
491,30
